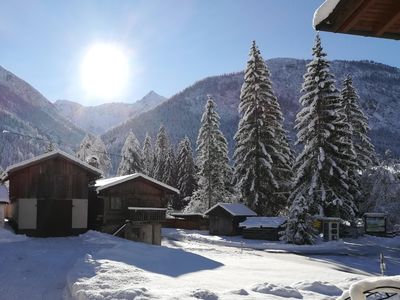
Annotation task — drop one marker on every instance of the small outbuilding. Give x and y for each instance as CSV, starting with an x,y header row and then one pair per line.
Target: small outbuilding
x,y
49,194
375,223
131,206
263,228
191,221
3,203
224,218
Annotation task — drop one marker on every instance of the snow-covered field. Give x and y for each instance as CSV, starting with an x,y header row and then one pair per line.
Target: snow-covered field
x,y
189,265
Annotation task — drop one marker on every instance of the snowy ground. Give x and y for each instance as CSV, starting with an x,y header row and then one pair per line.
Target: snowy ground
x,y
189,265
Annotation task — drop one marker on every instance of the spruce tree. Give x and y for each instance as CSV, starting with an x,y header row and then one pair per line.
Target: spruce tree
x,y
100,151
170,174
148,156
322,185
212,159
85,147
161,153
132,160
92,150
186,170
262,154
364,150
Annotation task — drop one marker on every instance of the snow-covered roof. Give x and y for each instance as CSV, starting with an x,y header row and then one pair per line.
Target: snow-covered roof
x,y
234,209
323,12
4,198
375,215
147,208
47,156
102,184
257,222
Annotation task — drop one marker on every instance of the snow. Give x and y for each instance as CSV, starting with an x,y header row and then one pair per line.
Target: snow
x,y
272,222
277,290
324,11
388,284
188,265
102,184
235,209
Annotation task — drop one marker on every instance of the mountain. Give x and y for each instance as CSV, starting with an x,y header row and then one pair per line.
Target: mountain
x,y
378,86
98,119
25,111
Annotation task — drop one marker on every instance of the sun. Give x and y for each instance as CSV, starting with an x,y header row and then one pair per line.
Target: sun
x,y
105,71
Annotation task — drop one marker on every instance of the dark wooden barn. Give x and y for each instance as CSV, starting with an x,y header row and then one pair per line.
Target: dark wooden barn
x,y
132,206
263,228
224,218
376,18
49,194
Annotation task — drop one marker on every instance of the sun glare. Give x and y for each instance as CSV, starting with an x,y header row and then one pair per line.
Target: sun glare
x,y
105,71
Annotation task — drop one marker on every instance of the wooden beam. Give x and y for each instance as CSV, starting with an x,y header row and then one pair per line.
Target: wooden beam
x,y
392,20
354,17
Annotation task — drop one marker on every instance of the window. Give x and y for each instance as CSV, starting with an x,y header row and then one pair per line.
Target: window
x,y
115,203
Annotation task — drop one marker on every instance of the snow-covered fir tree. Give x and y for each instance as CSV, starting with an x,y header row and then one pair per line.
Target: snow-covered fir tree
x,y
148,156
262,154
170,174
132,160
212,161
100,150
92,150
364,150
322,185
85,147
187,182
161,153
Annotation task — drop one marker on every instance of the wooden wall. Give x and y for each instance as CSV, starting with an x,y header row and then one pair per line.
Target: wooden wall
x,y
133,193
55,178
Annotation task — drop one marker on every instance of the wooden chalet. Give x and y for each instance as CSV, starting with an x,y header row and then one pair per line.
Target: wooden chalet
x,y
263,228
224,218
131,206
376,18
49,194
191,221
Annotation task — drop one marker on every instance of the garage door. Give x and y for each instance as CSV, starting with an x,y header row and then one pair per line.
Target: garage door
x,y
54,217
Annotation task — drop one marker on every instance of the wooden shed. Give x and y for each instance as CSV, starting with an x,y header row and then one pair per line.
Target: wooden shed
x,y
376,18
132,206
225,218
263,228
49,194
191,221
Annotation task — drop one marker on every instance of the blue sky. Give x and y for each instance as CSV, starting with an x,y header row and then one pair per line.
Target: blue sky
x,y
171,43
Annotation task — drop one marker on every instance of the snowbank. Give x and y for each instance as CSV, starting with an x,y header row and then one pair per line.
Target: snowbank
x,y
6,236
277,290
388,284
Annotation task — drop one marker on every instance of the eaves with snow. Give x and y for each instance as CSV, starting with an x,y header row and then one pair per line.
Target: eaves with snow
x,y
376,18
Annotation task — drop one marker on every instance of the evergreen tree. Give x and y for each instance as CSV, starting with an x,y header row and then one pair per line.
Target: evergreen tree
x,y
148,156
186,170
262,154
100,150
85,147
212,159
170,174
92,150
131,161
161,153
364,150
322,185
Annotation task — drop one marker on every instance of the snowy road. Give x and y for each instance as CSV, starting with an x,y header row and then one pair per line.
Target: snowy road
x,y
190,265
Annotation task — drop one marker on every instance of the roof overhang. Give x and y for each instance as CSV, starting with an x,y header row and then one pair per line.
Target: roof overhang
x,y
47,156
103,184
375,18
